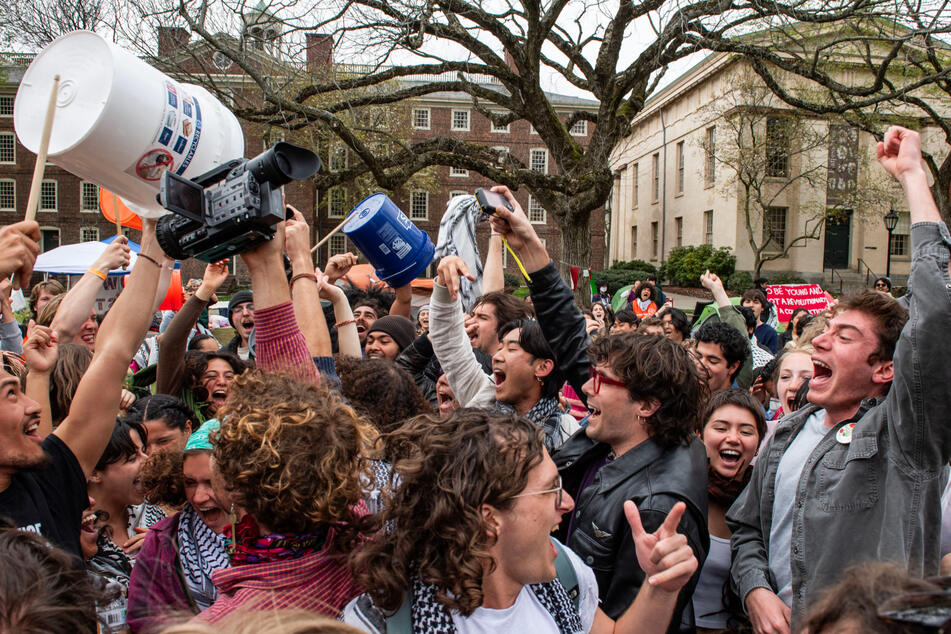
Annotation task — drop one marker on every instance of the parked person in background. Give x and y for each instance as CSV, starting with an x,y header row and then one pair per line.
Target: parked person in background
x,y
676,323
168,422
42,293
241,318
643,300
765,334
422,320
883,285
790,334
388,336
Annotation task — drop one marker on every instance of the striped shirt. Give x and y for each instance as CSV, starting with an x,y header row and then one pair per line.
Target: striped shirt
x,y
280,345
313,582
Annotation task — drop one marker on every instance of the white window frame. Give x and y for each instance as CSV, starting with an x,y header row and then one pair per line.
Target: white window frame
x,y
635,185
331,193
13,183
413,215
531,159
452,120
506,129
584,128
336,245
82,197
338,149
708,226
457,192
458,172
681,166
3,99
59,238
13,141
82,230
55,195
429,119
533,207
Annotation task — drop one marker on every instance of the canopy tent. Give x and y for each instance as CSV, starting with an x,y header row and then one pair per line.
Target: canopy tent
x,y
75,259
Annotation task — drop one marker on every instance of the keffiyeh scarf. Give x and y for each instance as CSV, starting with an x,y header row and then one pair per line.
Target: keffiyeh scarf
x,y
201,551
544,413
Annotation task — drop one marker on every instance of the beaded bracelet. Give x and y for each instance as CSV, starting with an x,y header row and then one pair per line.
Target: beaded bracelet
x,y
345,323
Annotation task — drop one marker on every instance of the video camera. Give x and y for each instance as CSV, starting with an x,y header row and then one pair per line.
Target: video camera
x,y
231,208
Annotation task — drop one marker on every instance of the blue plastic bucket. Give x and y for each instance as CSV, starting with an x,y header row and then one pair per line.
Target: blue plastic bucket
x,y
396,248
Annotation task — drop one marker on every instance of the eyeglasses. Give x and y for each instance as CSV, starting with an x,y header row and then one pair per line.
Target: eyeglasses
x,y
600,379
558,491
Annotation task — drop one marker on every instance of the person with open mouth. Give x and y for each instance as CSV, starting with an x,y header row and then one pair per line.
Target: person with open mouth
x,y
733,423
173,569
241,318
467,545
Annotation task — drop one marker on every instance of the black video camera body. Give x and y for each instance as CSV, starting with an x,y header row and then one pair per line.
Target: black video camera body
x,y
231,208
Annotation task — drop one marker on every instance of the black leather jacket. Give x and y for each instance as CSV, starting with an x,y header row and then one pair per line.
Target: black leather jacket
x,y
653,477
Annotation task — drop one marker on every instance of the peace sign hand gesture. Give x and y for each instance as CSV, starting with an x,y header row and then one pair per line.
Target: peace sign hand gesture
x,y
664,555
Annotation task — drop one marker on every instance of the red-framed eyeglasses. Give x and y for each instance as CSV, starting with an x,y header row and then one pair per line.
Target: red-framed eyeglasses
x,y
599,378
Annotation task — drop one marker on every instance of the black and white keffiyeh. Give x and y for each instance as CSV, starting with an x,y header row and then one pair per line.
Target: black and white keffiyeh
x,y
201,551
546,414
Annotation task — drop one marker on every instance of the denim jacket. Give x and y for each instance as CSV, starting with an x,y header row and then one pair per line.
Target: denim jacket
x,y
877,497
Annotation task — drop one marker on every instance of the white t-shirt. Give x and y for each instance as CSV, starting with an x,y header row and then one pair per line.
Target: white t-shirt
x,y
526,615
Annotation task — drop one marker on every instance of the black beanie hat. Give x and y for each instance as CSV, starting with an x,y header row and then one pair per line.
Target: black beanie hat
x,y
240,297
398,327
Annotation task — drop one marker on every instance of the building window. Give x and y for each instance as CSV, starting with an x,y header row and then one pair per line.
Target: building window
x,y
8,148
48,198
901,239
635,188
536,213
460,120
88,234
337,202
457,192
49,238
88,197
633,243
420,118
655,239
777,148
774,228
419,206
680,167
337,244
655,177
458,171
679,226
338,157
708,226
710,166
6,105
8,195
501,129
538,160
579,128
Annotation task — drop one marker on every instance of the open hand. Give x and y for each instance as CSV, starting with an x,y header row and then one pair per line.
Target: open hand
x,y
451,268
117,255
215,275
664,555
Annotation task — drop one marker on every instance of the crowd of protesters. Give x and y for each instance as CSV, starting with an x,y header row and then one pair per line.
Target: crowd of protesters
x,y
484,464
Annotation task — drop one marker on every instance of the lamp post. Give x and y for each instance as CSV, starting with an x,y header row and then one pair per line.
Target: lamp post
x,y
891,221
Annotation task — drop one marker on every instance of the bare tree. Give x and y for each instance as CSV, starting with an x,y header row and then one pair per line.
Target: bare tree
x,y
791,172
36,23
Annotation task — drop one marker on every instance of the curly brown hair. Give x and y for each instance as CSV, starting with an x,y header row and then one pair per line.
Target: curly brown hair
x,y
657,368
448,468
160,477
294,456
382,392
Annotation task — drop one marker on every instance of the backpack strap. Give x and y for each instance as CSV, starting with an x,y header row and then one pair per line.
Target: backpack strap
x,y
566,573
401,622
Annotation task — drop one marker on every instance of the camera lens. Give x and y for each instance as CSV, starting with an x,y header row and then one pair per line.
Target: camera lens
x,y
284,163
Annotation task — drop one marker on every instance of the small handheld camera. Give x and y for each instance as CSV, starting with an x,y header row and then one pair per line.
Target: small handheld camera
x,y
490,202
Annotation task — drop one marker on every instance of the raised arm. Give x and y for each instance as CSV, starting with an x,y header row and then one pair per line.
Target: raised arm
x,y
40,352
559,317
280,344
171,363
348,339
493,273
79,301
92,416
403,304
730,315
918,401
305,287
10,338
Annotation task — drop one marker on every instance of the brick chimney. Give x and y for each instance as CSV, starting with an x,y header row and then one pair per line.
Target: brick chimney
x,y
320,50
171,38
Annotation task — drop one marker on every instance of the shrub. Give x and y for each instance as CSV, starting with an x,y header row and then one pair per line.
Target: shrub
x,y
740,282
616,279
636,265
685,265
511,281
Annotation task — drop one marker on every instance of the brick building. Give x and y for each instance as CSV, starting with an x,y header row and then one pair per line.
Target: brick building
x,y
69,207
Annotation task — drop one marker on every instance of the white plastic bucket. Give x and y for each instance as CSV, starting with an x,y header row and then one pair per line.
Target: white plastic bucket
x,y
120,122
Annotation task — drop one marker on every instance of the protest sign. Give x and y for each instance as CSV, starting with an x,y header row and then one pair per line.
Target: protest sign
x,y
788,297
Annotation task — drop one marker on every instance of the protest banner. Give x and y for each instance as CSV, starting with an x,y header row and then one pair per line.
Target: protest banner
x,y
788,297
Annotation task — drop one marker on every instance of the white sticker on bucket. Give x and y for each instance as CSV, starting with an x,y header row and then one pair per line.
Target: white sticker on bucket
x,y
176,138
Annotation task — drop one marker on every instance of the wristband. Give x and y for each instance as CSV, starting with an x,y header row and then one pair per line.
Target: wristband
x,y
149,258
346,322
97,273
309,276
